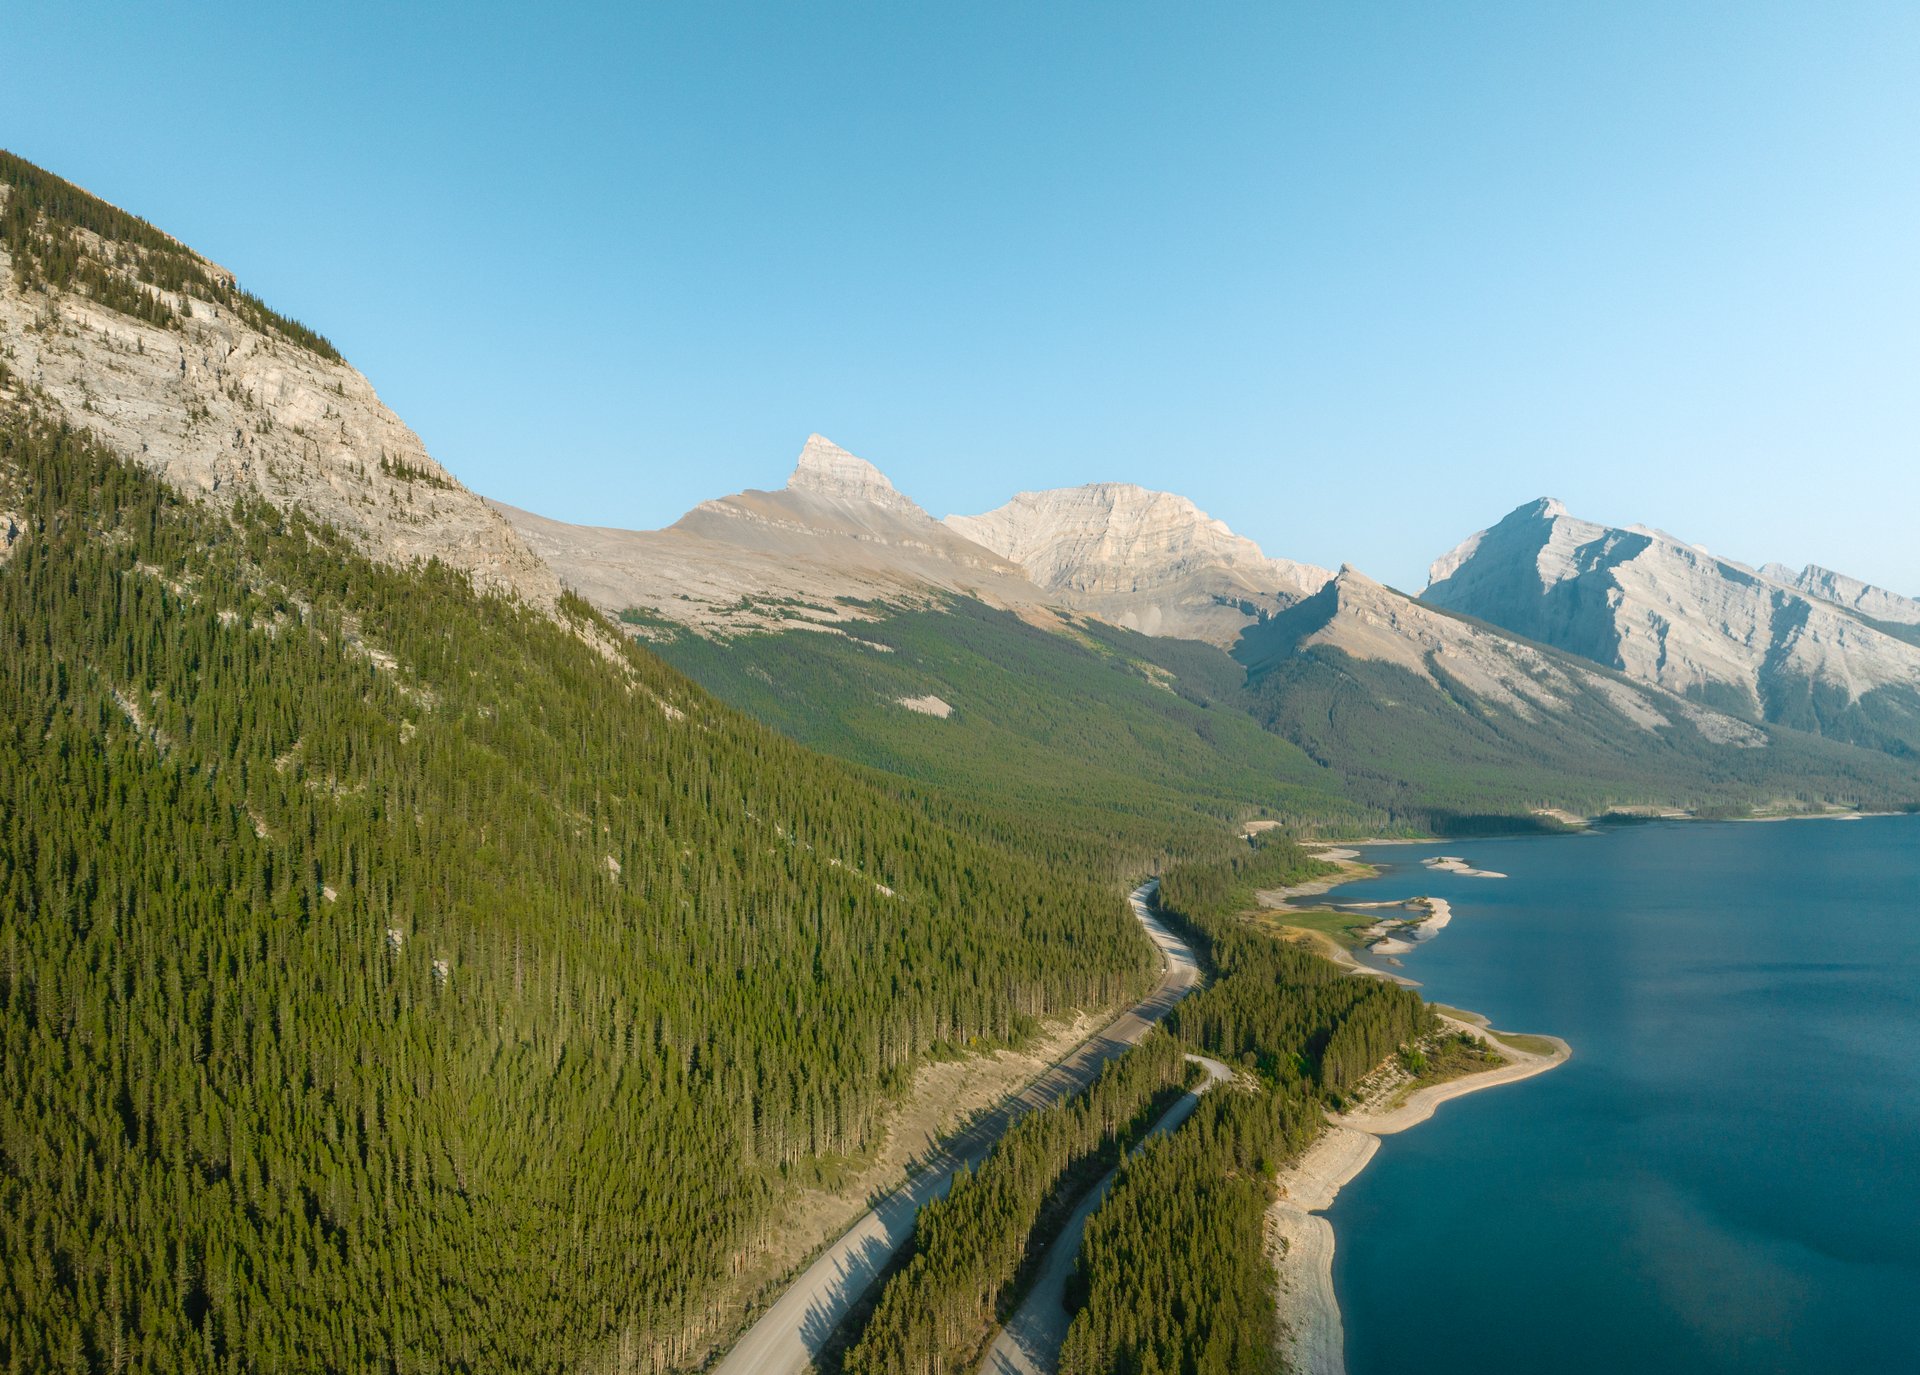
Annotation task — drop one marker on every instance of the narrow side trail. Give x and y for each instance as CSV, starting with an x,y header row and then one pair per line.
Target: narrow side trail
x,y
789,1334
1030,1342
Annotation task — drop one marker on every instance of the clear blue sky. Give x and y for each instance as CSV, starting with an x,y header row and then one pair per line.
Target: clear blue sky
x,y
1357,278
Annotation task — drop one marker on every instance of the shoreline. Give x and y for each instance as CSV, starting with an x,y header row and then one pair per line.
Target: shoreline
x,y
1301,1240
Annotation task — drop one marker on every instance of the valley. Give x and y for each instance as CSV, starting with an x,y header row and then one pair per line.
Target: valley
x,y
806,1317
438,936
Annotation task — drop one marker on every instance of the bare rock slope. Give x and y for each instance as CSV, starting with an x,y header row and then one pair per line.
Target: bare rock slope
x,y
158,352
1669,613
1150,561
839,535
1467,662
1875,603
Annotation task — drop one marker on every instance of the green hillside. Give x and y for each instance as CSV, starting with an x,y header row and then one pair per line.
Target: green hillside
x,y
1149,744
1438,757
1100,732
392,977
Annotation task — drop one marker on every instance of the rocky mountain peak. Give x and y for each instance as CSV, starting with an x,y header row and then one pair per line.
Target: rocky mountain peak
x,y
1150,561
1876,603
1664,611
825,469
1104,535
222,396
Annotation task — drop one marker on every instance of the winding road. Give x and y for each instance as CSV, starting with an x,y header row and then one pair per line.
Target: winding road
x,y
789,1334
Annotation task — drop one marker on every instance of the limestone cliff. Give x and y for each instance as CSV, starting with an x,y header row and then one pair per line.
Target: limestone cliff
x,y
1670,613
1875,603
117,328
1151,561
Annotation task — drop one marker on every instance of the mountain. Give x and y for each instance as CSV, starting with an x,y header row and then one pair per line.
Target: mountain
x,y
1432,715
1666,612
118,328
1892,612
837,537
1148,561
369,934
1059,665
840,539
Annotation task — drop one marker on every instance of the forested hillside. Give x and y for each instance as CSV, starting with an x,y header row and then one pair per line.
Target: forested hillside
x,y
1101,732
1148,744
394,977
1173,1275
970,1247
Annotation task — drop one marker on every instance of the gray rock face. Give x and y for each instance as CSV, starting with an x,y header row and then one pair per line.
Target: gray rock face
x,y
1150,561
839,535
221,409
1875,603
826,470
1670,613
1367,620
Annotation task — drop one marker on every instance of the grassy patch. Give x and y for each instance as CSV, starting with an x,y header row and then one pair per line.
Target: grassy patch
x,y
1344,927
1527,1045
1449,1055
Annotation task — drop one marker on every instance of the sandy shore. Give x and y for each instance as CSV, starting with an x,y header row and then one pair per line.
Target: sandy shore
x,y
1453,864
1818,816
1313,1337
1398,935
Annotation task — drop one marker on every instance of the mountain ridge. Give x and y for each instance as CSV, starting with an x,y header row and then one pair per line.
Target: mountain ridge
x,y
1143,559
122,330
1673,614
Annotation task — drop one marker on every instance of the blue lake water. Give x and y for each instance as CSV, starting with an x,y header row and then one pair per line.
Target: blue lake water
x,y
1725,1177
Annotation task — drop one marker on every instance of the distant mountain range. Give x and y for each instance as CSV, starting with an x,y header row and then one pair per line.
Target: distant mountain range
x,y
1816,651
382,919
1550,662
839,536
1624,645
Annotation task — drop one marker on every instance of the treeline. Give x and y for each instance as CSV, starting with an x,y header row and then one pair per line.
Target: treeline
x,y
1206,894
1068,745
1278,1008
970,1247
391,979
1174,1277
1298,1019
49,227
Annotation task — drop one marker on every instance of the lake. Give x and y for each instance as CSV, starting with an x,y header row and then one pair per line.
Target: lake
x,y
1725,1177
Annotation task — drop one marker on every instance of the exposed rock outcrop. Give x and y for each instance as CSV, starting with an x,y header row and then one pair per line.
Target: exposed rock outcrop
x,y
1875,603
825,469
1670,613
816,553
222,404
1364,619
1151,561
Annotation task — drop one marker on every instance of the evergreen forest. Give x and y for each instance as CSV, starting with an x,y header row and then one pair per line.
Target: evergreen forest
x,y
394,977
1173,1276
